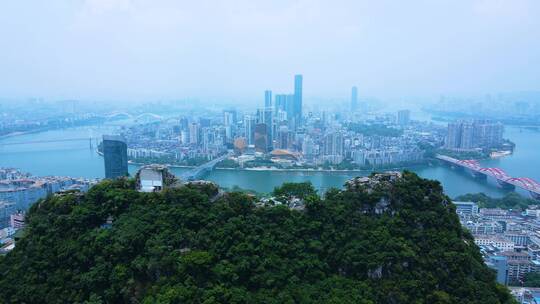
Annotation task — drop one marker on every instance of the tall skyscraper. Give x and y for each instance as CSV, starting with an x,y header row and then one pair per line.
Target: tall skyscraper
x,y
115,156
354,99
267,99
280,103
298,98
269,121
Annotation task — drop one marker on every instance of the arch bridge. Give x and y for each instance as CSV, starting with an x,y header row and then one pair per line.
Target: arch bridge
x,y
503,179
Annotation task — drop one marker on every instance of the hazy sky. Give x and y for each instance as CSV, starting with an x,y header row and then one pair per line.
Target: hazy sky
x,y
145,49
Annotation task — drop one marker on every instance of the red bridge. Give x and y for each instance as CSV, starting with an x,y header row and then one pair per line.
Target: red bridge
x,y
502,178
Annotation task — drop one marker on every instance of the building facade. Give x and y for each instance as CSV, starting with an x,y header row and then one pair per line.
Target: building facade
x,y
115,156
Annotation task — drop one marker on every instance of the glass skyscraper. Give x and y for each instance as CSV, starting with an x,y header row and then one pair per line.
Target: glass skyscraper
x,y
115,156
267,99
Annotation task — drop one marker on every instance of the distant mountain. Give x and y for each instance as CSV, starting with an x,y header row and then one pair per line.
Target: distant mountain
x,y
390,238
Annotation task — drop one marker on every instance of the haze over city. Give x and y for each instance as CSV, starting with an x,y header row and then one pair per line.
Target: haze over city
x,y
303,151
233,50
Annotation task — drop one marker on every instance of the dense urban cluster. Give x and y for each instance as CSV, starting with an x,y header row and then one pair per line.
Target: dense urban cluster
x,y
280,135
508,240
19,190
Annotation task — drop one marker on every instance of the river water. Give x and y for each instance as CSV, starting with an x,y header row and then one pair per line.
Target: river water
x,y
42,156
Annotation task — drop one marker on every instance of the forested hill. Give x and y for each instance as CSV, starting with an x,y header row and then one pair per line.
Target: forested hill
x,y
378,241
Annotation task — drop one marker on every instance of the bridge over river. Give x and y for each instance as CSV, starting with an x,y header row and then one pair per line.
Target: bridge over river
x,y
503,179
198,172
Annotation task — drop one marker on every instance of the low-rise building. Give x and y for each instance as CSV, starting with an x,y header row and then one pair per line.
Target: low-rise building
x,y
466,208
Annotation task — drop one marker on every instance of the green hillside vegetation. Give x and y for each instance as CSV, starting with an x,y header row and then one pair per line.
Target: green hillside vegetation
x,y
397,242
511,200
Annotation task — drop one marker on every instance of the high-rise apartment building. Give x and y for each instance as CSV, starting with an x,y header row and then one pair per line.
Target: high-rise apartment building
x,y
115,156
333,144
453,137
488,134
468,135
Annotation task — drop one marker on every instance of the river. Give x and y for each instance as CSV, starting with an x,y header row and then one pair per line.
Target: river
x,y
77,159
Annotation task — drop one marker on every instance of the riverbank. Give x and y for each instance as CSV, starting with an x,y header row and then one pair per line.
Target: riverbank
x,y
271,169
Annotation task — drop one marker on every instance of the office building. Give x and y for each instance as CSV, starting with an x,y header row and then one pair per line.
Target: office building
x,y
267,99
115,156
354,99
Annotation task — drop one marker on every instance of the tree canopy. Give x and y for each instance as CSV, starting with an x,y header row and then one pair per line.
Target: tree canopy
x,y
511,200
398,242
